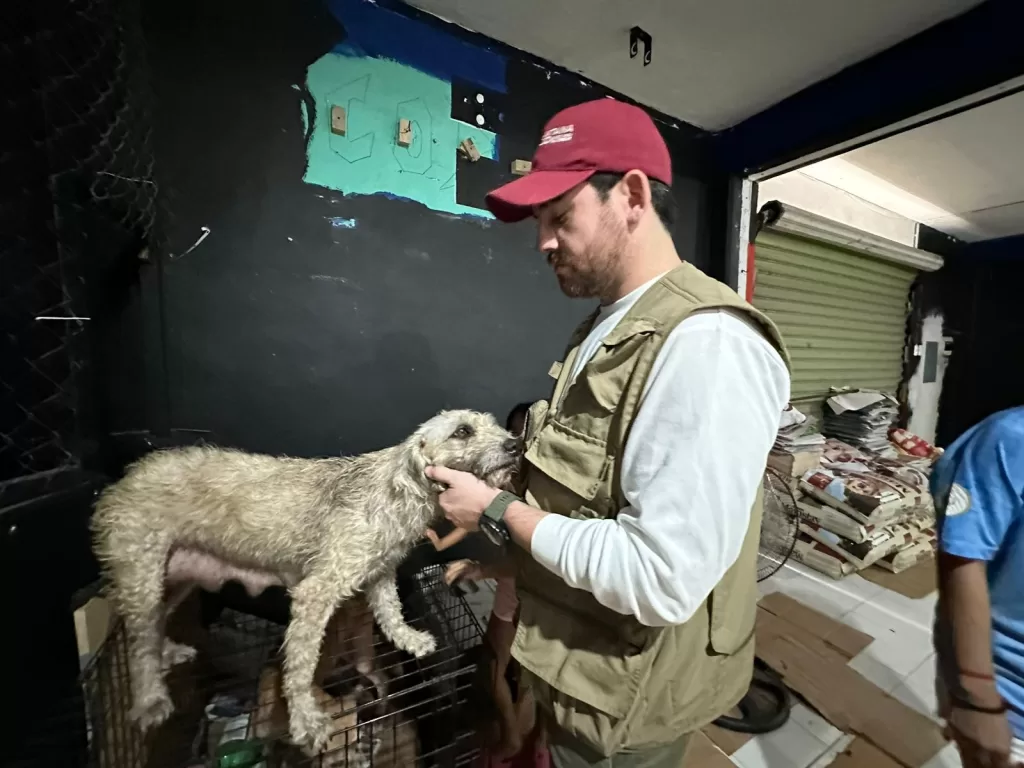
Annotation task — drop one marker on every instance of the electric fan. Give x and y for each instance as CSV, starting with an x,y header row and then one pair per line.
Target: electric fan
x,y
767,704
780,525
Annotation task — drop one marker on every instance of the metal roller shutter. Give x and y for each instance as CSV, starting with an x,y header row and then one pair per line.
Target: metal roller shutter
x,y
842,314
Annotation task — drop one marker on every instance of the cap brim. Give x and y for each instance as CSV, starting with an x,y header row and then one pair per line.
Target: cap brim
x,y
515,201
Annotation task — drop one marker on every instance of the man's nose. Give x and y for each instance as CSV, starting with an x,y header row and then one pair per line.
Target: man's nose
x,y
546,241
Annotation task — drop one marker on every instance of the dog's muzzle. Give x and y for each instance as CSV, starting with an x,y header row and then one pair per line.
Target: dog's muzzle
x,y
513,447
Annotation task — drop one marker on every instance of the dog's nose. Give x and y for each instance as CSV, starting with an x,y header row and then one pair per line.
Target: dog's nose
x,y
513,446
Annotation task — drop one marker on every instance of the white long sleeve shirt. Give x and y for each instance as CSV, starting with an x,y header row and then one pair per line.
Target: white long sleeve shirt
x,y
690,470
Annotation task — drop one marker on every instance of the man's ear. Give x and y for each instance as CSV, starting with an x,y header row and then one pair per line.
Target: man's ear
x,y
637,190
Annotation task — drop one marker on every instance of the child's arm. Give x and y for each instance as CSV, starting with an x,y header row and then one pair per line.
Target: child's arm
x,y
450,540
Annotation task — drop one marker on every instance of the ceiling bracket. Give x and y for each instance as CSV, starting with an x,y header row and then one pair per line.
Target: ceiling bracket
x,y
636,36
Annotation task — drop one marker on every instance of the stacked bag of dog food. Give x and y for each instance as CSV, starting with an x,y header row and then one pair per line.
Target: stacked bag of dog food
x,y
860,506
798,445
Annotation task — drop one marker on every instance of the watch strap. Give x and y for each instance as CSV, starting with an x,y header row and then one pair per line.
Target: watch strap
x,y
496,509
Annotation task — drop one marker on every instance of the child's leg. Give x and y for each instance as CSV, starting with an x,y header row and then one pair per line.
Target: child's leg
x,y
450,540
499,636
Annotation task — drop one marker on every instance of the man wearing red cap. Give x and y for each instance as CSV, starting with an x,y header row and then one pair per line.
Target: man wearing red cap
x,y
637,535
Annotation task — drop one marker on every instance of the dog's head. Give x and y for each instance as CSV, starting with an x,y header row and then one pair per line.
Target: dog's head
x,y
472,442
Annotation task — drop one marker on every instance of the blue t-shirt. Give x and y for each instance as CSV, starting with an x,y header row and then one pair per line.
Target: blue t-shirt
x,y
978,487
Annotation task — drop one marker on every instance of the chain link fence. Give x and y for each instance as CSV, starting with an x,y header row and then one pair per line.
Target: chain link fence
x,y
78,201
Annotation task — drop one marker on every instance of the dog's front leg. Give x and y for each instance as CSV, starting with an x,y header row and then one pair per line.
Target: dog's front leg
x,y
382,595
314,600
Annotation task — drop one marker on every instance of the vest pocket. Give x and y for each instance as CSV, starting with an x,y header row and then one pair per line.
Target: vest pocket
x,y
535,420
580,657
572,459
730,621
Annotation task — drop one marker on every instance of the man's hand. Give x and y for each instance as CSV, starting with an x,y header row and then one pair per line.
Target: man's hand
x,y
465,499
982,739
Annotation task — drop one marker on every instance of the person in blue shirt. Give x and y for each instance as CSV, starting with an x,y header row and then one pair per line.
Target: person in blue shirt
x,y
978,486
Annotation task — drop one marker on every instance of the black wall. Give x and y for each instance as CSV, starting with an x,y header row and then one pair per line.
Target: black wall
x,y
266,347
978,291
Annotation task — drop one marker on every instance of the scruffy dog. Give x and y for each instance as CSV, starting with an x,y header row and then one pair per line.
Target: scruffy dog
x,y
324,528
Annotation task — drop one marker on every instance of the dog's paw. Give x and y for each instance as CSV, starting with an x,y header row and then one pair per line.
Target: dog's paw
x,y
152,711
420,644
309,727
176,653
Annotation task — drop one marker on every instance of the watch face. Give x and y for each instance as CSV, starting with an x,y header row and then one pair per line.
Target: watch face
x,y
493,531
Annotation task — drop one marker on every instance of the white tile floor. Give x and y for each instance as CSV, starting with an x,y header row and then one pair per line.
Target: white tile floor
x,y
900,661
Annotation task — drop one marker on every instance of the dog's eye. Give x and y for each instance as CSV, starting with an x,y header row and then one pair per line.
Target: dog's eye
x,y
463,432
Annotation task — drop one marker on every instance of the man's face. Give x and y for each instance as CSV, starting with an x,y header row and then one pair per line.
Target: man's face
x,y
584,238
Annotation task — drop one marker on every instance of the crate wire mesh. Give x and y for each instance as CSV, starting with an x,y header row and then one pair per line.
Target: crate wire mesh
x,y
230,694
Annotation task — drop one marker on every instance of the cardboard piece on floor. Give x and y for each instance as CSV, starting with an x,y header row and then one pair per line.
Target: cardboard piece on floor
x,y
817,671
863,754
727,741
842,637
704,753
916,582
846,640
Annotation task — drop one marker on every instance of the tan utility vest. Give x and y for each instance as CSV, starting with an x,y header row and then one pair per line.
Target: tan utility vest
x,y
603,677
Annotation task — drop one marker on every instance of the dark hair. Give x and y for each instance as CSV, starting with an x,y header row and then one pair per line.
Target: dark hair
x,y
519,411
661,195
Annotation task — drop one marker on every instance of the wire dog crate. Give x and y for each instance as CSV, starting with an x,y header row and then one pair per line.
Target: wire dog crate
x,y
229,710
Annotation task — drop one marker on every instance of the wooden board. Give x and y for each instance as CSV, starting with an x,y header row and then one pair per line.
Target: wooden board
x,y
863,754
841,637
819,673
916,582
702,753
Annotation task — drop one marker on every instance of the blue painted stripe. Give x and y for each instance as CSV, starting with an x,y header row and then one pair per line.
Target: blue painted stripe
x,y
1003,249
371,30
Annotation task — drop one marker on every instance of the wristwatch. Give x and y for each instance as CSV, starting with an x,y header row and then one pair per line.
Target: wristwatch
x,y
492,523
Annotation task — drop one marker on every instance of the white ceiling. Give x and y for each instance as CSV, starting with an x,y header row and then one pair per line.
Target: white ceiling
x,y
970,167
714,63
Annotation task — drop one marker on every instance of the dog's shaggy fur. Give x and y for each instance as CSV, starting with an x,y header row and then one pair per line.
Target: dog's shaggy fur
x,y
325,528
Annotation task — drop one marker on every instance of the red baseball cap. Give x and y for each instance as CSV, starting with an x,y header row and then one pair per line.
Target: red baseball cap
x,y
597,136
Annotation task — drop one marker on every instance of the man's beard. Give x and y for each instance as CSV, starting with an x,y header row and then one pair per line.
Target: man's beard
x,y
597,277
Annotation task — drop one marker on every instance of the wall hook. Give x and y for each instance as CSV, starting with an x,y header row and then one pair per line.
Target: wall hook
x,y
637,36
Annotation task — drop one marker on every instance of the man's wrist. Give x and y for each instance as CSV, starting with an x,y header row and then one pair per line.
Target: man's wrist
x,y
486,499
980,693
522,520
499,504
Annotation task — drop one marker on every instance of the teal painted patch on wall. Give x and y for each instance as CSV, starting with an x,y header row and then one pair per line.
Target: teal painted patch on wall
x,y
367,160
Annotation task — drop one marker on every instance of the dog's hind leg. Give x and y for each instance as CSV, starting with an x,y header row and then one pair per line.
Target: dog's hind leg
x,y
140,594
314,600
382,595
175,653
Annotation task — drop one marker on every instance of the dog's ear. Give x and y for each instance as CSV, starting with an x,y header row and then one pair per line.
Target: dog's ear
x,y
420,459
418,455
